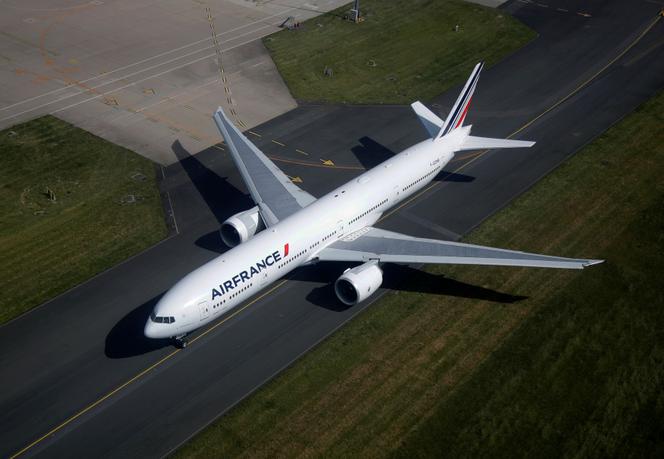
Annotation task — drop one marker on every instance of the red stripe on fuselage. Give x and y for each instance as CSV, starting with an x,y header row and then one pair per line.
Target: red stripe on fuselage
x,y
286,250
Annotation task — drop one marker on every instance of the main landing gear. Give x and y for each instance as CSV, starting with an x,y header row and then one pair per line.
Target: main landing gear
x,y
181,341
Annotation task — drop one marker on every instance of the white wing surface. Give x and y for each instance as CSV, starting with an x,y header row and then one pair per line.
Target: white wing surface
x,y
386,246
272,191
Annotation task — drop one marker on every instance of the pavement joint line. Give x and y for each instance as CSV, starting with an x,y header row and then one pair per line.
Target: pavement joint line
x,y
411,199
278,143
94,89
67,85
143,373
164,100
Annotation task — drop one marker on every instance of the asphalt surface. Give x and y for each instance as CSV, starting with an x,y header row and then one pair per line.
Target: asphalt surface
x,y
82,355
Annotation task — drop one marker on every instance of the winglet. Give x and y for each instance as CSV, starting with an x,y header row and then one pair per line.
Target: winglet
x,y
460,107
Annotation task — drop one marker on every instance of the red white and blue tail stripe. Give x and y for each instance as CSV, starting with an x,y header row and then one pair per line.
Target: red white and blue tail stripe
x,y
460,108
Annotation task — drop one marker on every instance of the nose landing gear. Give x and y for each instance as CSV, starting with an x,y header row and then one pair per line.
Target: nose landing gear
x,y
181,341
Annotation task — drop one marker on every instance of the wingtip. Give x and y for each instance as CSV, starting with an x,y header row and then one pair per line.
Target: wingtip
x,y
592,263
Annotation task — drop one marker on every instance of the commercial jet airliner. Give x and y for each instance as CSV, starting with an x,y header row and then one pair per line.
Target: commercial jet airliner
x,y
289,228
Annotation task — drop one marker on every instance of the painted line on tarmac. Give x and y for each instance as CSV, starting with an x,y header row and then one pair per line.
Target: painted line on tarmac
x,y
277,286
529,123
141,374
94,90
147,59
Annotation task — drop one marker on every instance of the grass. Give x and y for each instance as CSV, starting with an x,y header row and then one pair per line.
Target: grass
x,y
575,369
375,61
50,246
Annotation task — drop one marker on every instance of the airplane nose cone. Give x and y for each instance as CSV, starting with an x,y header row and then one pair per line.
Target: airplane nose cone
x,y
150,330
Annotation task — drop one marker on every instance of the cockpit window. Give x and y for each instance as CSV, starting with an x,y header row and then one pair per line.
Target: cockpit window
x,y
161,319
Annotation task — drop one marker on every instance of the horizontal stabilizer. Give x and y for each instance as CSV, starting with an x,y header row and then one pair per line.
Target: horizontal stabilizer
x,y
431,122
486,143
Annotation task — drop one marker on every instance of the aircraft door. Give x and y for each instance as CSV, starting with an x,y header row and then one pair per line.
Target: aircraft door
x,y
204,309
340,228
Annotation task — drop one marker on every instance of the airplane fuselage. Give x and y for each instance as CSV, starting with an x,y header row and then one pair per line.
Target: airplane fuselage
x,y
227,281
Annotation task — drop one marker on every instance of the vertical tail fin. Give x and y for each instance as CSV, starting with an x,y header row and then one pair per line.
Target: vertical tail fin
x,y
460,107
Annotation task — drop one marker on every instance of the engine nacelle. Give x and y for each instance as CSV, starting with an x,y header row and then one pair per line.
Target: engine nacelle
x,y
241,227
356,284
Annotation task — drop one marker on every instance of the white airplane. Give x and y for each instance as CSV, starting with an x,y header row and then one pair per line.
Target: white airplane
x,y
289,228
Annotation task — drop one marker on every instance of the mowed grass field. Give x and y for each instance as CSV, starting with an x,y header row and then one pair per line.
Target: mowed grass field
x,y
50,246
498,361
402,52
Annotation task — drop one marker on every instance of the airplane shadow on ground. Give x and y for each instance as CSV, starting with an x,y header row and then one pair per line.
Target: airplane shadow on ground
x,y
212,242
371,153
397,278
126,338
221,197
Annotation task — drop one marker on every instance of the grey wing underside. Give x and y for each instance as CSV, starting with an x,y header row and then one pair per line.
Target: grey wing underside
x,y
272,191
386,246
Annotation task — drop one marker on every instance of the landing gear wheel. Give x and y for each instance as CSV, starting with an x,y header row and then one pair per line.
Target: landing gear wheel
x,y
181,342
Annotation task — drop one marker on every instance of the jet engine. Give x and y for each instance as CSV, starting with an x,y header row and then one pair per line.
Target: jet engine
x,y
241,227
356,284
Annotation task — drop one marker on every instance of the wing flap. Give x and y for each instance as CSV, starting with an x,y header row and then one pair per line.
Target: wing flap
x,y
388,246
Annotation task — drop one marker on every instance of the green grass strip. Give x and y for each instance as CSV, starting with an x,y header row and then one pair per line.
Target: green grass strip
x,y
50,245
402,52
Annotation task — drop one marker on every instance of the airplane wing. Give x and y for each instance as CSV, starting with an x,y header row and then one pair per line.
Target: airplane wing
x,y
272,191
386,246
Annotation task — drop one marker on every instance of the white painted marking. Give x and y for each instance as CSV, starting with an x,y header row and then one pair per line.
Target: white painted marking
x,y
156,75
139,72
148,59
